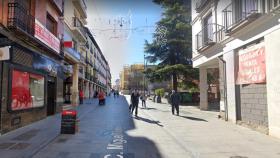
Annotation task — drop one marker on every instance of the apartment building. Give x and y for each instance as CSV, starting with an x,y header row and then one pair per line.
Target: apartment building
x,y
76,46
241,39
31,37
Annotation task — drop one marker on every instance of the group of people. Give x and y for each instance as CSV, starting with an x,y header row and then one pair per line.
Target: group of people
x,y
100,95
135,96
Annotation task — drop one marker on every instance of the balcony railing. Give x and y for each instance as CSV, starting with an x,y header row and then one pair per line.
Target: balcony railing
x,y
240,11
199,5
78,24
19,18
58,4
83,59
81,6
209,35
274,4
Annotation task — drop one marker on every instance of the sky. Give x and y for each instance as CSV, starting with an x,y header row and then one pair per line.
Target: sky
x,y
120,28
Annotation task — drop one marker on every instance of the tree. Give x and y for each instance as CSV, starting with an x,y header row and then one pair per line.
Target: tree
x,y
171,45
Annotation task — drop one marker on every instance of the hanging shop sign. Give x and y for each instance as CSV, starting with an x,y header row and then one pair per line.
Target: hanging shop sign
x,y
45,65
5,53
252,67
44,35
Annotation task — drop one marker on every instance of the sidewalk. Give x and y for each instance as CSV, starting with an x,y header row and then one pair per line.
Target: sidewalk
x,y
27,141
203,135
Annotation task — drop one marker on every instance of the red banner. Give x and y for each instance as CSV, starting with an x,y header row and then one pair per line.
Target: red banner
x,y
44,35
252,67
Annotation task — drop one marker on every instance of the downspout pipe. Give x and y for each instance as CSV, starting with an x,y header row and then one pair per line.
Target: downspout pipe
x,y
225,86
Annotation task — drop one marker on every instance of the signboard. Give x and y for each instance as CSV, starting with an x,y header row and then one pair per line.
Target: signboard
x,y
68,44
252,67
44,35
5,53
45,65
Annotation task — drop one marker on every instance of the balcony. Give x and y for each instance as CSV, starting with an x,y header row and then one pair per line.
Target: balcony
x,y
199,5
240,13
79,28
275,5
82,7
209,35
59,5
83,60
19,19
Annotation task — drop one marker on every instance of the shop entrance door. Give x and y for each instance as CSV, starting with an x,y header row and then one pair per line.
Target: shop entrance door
x,y
51,91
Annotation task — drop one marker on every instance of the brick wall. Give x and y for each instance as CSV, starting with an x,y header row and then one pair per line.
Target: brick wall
x,y
253,101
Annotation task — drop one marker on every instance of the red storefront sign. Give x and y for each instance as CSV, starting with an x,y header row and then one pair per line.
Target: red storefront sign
x,y
68,44
252,67
44,35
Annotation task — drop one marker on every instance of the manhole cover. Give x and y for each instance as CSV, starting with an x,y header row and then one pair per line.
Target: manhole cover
x,y
19,146
27,135
6,145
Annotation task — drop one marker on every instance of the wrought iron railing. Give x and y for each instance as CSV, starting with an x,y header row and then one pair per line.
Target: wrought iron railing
x,y
78,24
19,18
274,4
240,10
210,34
200,4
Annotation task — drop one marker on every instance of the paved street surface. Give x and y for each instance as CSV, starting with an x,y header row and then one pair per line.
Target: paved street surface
x,y
110,131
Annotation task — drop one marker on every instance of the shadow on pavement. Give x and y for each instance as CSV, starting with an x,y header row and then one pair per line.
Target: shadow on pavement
x,y
193,118
104,133
148,121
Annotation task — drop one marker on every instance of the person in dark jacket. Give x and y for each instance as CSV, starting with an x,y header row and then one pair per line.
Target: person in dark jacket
x,y
175,101
134,101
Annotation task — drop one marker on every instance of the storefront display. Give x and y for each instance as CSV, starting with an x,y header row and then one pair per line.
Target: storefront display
x,y
27,90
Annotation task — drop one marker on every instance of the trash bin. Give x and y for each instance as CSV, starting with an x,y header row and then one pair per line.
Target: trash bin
x,y
68,122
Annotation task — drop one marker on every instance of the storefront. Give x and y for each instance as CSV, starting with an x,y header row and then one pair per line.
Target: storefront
x,y
31,86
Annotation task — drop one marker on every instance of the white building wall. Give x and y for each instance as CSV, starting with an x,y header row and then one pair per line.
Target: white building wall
x,y
272,47
230,77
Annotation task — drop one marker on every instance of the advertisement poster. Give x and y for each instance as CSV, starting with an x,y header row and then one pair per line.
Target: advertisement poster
x,y
21,97
27,90
252,66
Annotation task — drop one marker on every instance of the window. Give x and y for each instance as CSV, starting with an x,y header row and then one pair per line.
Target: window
x,y
51,24
27,90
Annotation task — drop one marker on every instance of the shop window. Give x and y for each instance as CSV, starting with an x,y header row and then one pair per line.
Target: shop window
x,y
27,90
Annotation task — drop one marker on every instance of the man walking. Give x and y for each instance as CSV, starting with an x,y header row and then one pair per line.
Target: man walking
x,y
143,98
134,101
175,101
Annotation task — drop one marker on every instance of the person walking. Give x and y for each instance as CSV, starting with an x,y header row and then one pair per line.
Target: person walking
x,y
134,101
175,101
143,98
81,96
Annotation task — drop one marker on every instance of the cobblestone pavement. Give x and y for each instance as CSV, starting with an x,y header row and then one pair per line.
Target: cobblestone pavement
x,y
111,131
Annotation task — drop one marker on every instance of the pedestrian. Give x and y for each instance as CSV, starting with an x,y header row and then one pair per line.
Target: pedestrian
x,y
114,94
143,98
81,96
134,101
175,101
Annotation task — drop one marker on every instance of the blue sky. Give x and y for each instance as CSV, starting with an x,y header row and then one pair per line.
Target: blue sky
x,y
120,27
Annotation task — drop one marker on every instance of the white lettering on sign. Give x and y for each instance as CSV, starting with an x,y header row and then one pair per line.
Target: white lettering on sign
x,y
117,143
5,53
44,35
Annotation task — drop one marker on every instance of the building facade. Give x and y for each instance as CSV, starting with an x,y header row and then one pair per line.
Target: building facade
x,y
239,37
75,43
47,56
31,37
